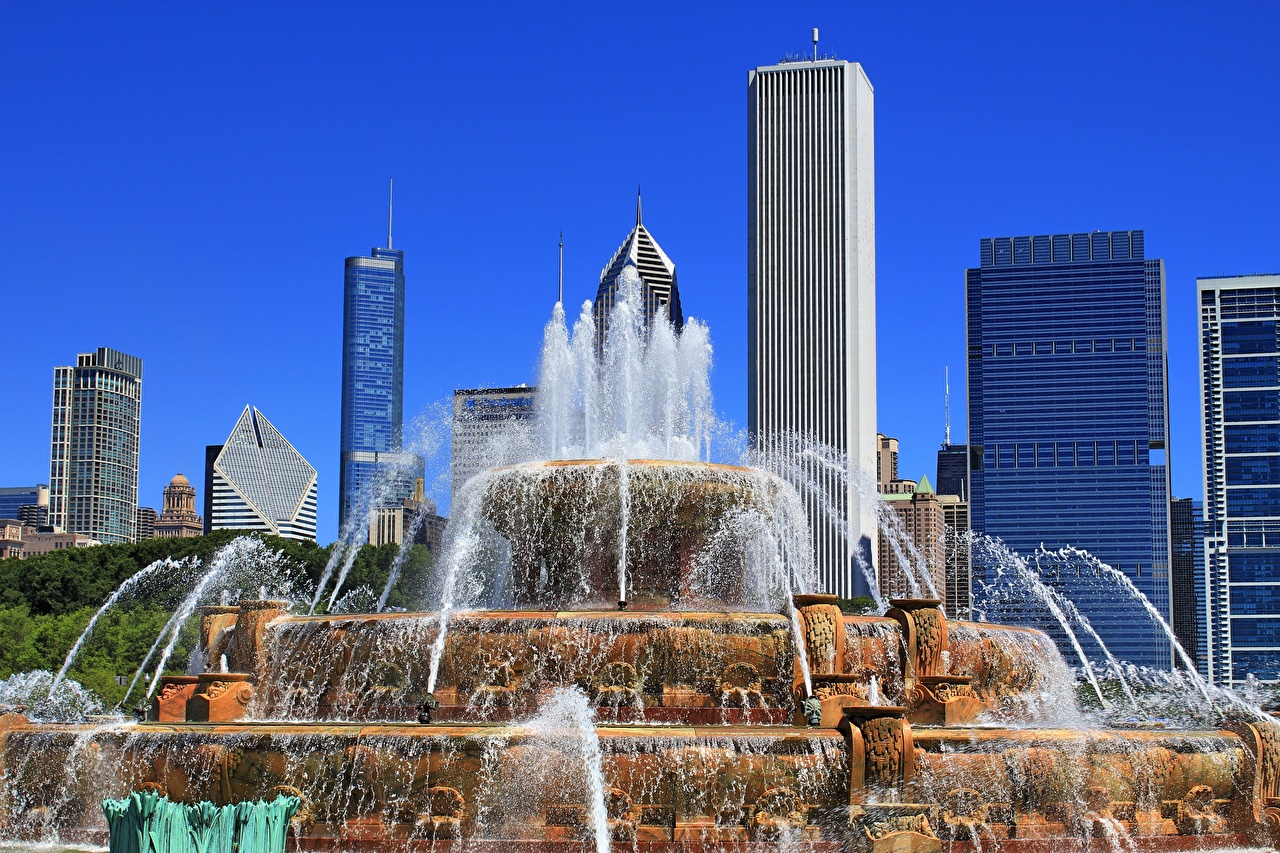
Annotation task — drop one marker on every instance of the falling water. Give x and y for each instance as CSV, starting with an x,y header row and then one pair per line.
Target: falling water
x,y
802,654
1122,580
1006,561
1072,611
624,498
129,585
567,720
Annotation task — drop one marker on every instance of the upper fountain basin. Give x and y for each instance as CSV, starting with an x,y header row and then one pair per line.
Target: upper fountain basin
x,y
659,534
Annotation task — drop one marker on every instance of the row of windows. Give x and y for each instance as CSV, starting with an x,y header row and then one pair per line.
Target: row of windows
x,y
1257,336
1251,405
1065,454
1072,347
1250,371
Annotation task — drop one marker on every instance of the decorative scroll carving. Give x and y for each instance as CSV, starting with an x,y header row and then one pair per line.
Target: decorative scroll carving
x,y
931,640
964,816
442,818
881,748
1198,813
618,684
740,687
778,816
823,637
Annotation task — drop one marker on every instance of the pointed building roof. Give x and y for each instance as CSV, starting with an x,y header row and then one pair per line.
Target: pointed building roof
x,y
924,486
656,269
264,468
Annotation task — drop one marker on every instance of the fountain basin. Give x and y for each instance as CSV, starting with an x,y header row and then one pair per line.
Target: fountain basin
x,y
681,525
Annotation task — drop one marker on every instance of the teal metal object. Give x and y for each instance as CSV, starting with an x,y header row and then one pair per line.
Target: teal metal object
x,y
146,822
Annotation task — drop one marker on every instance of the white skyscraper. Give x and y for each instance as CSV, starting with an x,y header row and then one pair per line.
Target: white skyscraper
x,y
812,288
257,481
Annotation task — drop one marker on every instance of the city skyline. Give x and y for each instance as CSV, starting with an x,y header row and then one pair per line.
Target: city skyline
x,y
289,308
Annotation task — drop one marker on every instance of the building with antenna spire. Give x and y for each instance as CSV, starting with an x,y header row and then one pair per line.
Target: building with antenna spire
x,y
373,470
657,274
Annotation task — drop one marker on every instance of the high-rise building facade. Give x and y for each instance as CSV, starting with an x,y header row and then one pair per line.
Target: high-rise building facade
x,y
1240,396
146,523
657,276
14,498
1068,390
953,470
918,508
372,384
258,481
178,519
93,459
957,554
1186,570
481,416
811,301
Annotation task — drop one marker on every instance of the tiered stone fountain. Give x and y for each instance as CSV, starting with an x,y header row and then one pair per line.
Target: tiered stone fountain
x,y
921,732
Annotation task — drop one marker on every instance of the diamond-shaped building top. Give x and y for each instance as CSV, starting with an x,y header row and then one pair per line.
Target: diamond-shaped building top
x,y
258,481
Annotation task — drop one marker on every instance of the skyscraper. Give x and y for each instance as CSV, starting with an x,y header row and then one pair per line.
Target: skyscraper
x,y
811,301
372,381
1068,389
657,276
953,470
258,481
93,459
1240,396
14,498
1186,570
480,417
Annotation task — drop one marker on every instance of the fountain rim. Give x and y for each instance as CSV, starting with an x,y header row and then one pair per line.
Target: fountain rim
x,y
636,463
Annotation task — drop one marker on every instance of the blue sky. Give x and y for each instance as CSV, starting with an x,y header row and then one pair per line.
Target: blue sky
x,y
182,181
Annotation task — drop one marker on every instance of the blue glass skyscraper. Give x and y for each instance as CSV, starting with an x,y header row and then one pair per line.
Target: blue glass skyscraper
x,y
372,383
1240,393
1068,389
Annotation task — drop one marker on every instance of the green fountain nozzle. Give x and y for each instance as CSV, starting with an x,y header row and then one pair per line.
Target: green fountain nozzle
x,y
812,710
622,604
428,704
140,712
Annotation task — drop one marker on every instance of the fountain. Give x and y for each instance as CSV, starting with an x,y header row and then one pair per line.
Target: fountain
x,y
652,668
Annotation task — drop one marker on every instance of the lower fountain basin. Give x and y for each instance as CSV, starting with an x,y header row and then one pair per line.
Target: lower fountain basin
x,y
380,786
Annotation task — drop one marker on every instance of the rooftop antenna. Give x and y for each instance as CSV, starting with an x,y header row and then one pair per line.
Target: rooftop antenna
x,y
561,299
946,400
637,204
815,44
391,189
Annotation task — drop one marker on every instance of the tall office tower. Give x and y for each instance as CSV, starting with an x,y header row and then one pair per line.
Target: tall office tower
x,y
1240,396
1068,389
953,470
373,386
146,523
886,460
178,519
1186,571
14,498
957,556
811,289
93,460
922,518
482,417
258,481
657,277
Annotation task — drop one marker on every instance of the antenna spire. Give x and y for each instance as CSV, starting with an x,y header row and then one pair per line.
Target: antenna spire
x,y
391,189
637,204
946,401
561,297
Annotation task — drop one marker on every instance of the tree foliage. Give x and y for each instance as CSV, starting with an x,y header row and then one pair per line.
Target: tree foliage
x,y
46,601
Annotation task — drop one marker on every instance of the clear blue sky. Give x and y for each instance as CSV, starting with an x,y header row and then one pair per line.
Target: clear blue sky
x,y
182,181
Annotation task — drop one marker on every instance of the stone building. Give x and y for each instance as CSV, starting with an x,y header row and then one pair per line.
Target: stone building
x,y
178,519
924,524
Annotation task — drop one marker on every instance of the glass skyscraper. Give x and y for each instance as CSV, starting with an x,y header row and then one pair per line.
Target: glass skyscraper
x,y
1068,389
93,459
1240,393
372,386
